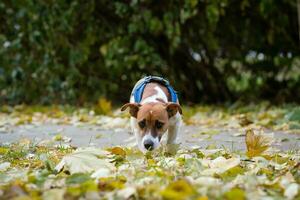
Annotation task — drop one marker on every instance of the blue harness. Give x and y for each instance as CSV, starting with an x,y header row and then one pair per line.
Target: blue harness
x,y
138,92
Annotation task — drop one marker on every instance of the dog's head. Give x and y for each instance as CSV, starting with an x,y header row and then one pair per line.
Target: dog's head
x,y
152,121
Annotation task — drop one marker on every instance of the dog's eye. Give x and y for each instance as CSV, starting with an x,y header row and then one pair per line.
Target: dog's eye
x,y
159,124
142,124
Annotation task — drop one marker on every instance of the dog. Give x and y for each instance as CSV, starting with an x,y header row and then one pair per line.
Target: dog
x,y
154,108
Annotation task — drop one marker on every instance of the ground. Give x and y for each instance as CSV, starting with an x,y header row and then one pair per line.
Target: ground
x,y
240,151
191,136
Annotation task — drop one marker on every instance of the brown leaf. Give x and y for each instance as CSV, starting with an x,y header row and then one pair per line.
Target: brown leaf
x,y
256,144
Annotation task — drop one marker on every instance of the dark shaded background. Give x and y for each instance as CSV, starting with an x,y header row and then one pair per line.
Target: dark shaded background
x,y
212,51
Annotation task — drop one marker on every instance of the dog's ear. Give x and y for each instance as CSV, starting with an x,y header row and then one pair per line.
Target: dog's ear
x,y
134,108
173,108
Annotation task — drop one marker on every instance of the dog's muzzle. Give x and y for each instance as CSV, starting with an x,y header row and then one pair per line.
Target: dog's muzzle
x,y
148,144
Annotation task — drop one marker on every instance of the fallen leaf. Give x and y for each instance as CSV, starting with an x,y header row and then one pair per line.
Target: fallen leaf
x,y
208,181
3,150
219,165
58,137
12,174
110,184
54,194
101,173
202,198
177,190
118,151
85,160
256,144
77,178
126,193
4,166
291,191
235,194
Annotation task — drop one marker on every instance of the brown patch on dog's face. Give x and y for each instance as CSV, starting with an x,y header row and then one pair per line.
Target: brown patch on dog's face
x,y
153,118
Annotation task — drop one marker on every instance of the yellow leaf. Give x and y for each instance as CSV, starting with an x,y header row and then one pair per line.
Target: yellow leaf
x,y
151,162
256,144
202,198
3,150
24,119
235,194
232,172
58,137
177,190
118,151
103,106
110,184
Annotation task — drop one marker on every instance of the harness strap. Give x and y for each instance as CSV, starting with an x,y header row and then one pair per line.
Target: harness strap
x,y
138,92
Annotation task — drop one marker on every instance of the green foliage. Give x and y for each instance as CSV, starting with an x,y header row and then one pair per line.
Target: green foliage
x,y
219,50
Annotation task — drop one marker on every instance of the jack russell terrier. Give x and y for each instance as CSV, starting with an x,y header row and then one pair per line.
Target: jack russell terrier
x,y
154,110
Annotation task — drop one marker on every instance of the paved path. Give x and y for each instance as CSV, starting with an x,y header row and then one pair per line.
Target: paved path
x,y
96,136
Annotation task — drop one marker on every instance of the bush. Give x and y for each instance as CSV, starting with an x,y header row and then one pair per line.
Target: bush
x,y
77,51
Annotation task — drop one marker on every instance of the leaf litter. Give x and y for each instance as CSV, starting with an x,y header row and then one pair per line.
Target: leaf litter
x,y
125,173
30,170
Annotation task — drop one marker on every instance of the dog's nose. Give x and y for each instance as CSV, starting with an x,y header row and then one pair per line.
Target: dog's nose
x,y
148,144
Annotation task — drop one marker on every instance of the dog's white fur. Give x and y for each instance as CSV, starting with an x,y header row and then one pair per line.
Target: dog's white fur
x,y
159,95
174,122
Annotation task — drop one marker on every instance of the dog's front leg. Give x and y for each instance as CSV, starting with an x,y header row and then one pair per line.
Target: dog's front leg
x,y
174,128
172,134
